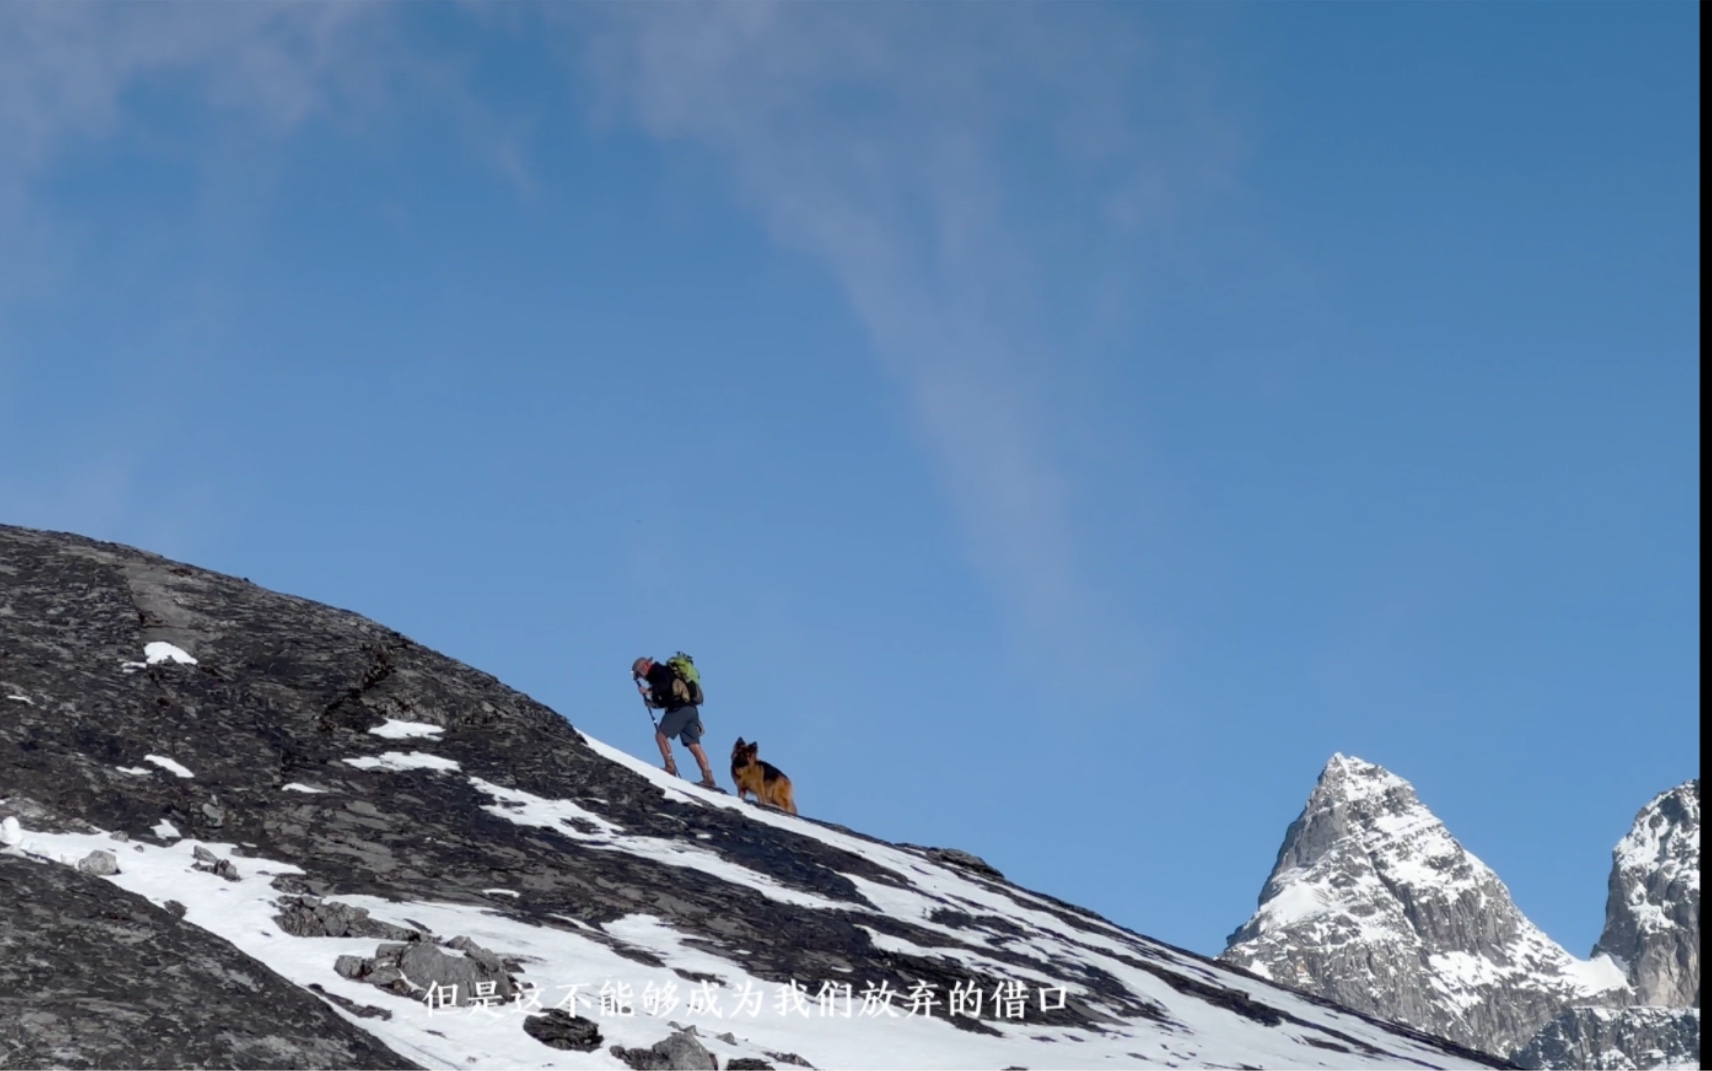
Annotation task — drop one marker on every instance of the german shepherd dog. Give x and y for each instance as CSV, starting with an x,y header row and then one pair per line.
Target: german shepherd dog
x,y
766,782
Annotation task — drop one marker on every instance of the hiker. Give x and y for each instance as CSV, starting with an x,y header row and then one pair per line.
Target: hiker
x,y
664,689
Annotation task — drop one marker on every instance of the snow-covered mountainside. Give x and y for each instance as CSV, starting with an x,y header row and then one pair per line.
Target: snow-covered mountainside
x,y
1652,913
243,829
1375,905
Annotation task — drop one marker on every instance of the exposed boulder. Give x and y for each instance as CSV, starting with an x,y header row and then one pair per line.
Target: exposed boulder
x,y
309,916
210,863
681,1051
958,858
416,968
99,863
560,1029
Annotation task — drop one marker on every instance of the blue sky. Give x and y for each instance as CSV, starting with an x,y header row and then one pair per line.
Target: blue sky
x,y
1054,430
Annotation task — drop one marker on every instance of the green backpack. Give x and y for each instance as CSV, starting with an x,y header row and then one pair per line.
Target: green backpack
x,y
684,666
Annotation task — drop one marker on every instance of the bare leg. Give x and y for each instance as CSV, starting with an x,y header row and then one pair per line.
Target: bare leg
x,y
701,758
666,752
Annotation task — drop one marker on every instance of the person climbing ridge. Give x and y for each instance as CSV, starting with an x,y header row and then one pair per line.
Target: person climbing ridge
x,y
676,690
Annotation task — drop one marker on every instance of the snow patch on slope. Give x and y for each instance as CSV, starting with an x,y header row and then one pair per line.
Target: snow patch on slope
x,y
157,652
170,765
396,729
402,760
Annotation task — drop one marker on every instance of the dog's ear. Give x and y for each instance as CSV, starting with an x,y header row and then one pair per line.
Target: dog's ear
x,y
739,743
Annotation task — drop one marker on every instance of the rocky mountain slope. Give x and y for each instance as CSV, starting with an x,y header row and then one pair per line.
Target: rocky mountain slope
x,y
243,829
1374,904
1616,1039
1652,927
1652,912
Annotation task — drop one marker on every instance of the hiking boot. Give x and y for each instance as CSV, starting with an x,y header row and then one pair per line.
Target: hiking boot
x,y
671,768
707,781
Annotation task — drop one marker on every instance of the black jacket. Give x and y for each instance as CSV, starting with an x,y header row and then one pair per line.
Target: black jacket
x,y
660,679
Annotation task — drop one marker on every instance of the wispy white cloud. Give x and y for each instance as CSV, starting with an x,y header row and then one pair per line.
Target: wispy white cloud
x,y
929,156
69,73
947,164
74,76
130,79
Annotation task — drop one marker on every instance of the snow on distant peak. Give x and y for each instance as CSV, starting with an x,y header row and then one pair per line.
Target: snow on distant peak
x,y
1665,840
1375,904
1353,778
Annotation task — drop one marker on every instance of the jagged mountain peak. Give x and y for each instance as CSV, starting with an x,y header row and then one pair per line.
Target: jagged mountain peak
x,y
1374,903
1363,820
1350,780
1350,775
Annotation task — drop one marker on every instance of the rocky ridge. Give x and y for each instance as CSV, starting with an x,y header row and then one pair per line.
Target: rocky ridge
x,y
376,846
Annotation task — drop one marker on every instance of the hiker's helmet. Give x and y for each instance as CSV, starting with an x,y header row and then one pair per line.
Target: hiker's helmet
x,y
640,666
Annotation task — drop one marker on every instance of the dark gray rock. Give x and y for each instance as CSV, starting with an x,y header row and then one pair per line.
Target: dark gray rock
x,y
417,966
678,1052
560,1029
748,1063
361,1011
125,984
958,858
309,916
210,863
1616,1039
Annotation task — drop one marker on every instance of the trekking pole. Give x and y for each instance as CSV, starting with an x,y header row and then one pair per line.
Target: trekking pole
x,y
645,705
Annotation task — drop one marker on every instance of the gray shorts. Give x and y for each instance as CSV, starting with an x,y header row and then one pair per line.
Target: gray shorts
x,y
683,723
